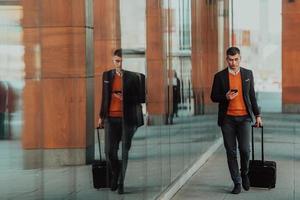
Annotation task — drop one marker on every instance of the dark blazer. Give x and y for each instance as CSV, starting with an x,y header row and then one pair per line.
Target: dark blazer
x,y
133,94
221,87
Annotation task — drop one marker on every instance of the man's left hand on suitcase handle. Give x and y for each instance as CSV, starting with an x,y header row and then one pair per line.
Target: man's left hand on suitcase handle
x,y
258,122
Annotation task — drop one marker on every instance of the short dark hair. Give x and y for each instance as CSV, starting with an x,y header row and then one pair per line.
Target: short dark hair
x,y
231,51
118,52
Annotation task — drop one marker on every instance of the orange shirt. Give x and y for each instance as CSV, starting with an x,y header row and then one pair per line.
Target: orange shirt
x,y
237,105
116,108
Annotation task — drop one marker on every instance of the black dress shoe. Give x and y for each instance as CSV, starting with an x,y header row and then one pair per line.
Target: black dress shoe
x,y
237,189
121,189
245,182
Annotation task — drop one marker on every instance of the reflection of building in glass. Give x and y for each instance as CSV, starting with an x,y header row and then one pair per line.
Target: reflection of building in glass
x,y
260,41
185,24
263,57
53,53
12,66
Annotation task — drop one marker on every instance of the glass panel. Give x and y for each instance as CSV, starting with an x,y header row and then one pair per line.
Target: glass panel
x,y
185,24
259,37
169,142
175,41
18,91
133,43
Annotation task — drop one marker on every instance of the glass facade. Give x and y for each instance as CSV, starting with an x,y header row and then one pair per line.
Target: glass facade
x,y
12,70
164,149
47,97
260,38
185,24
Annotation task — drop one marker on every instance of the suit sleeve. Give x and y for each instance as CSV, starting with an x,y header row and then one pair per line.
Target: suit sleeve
x,y
142,90
132,91
217,95
254,105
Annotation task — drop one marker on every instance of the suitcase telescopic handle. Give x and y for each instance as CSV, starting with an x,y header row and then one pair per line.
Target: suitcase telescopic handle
x,y
99,145
262,142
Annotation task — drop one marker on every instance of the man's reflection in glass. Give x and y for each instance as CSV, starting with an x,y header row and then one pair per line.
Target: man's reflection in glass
x,y
120,115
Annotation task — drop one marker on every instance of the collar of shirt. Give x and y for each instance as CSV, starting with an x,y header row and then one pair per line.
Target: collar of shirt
x,y
119,73
232,72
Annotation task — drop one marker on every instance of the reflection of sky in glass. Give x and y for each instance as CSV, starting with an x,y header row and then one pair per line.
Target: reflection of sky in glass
x,y
262,18
11,48
10,15
247,14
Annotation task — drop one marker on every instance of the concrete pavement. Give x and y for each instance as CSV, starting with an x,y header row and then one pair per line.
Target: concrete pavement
x,y
282,144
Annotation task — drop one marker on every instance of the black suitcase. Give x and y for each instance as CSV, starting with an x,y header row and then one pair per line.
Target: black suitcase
x,y
261,173
101,170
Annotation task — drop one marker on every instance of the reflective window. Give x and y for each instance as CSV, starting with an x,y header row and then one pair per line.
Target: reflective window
x,y
51,93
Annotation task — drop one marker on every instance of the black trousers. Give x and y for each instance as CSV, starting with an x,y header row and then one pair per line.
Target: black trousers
x,y
115,132
237,129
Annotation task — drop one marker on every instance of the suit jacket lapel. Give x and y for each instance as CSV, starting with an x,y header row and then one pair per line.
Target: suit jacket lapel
x,y
111,79
125,77
243,79
226,80
112,74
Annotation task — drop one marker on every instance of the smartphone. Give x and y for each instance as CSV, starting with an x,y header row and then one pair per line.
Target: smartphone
x,y
234,90
117,92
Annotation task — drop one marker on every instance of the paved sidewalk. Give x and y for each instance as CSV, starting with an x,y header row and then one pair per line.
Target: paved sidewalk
x,y
158,155
282,144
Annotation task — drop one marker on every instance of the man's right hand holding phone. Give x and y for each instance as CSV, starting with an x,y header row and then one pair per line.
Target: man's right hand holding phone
x,y
231,94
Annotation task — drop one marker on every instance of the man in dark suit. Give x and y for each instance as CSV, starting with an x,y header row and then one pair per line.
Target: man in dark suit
x,y
120,115
233,89
176,94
